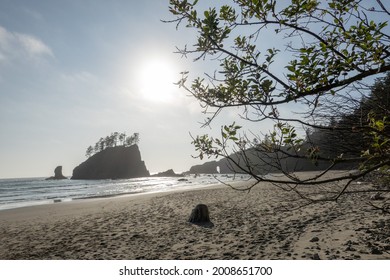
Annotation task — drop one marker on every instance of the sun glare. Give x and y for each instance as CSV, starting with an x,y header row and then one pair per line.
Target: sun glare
x,y
156,80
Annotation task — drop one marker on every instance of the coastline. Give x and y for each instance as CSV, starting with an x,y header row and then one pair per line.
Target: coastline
x,y
245,225
22,192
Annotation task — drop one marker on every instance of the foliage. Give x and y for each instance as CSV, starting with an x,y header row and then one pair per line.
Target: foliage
x,y
329,49
112,140
363,131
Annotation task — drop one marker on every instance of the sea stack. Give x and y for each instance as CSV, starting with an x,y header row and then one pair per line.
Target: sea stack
x,y
57,174
168,173
112,163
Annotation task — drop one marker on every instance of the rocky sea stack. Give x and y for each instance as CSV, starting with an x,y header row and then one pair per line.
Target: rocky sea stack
x,y
168,173
57,174
113,163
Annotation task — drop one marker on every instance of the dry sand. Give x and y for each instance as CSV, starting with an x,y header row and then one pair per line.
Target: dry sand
x,y
154,226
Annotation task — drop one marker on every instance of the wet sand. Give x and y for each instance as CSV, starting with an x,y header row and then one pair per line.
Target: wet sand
x,y
245,225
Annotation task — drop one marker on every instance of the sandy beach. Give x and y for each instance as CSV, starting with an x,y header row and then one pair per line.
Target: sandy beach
x,y
245,225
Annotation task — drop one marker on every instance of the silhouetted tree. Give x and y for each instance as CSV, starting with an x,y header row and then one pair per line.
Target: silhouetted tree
x,y
333,46
122,138
96,148
115,138
89,151
136,138
102,144
361,130
111,141
133,139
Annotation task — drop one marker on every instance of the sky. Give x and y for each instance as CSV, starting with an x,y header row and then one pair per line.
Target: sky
x,y
77,70
74,71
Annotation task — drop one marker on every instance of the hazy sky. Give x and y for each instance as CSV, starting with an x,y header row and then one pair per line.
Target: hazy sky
x,y
74,71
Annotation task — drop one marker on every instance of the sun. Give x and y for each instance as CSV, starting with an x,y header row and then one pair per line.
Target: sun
x,y
156,80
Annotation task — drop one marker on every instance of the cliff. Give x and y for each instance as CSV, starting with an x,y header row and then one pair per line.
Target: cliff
x,y
262,163
222,166
113,163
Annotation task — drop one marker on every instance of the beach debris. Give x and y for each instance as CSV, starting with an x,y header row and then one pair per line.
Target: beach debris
x,y
314,239
135,236
315,257
376,251
200,214
182,180
377,196
350,249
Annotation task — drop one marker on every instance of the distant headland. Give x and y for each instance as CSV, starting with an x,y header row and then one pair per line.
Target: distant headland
x,y
117,156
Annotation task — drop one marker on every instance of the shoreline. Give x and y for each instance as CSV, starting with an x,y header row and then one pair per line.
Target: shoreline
x,y
72,206
37,203
112,188
245,225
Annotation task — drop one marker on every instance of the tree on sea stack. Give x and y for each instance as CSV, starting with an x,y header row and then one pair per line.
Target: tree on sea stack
x,y
112,140
286,62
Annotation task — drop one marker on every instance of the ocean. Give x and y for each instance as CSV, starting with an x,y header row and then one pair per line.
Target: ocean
x,y
21,192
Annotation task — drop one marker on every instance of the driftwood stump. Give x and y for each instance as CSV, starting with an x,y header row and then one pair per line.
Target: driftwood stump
x,y
200,214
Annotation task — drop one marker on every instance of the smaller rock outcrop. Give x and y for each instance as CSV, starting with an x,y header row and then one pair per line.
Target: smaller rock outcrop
x,y
57,174
168,173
